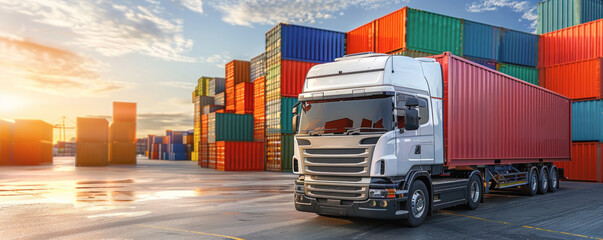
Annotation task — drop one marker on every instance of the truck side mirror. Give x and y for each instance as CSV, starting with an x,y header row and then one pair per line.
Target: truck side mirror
x,y
412,102
411,119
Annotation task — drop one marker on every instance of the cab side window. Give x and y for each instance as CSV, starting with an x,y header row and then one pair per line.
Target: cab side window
x,y
423,111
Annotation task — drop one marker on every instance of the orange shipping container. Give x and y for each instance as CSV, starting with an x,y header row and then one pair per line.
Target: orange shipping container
x,y
236,72
392,31
92,130
240,156
32,152
32,130
580,42
361,39
123,132
91,154
211,160
244,98
124,112
203,154
586,162
6,142
259,108
576,80
122,153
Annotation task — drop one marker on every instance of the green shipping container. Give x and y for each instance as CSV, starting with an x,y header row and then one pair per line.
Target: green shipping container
x,y
527,74
279,116
557,14
413,53
287,152
229,127
431,32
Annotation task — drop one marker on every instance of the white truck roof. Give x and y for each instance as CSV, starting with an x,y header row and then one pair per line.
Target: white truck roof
x,y
366,73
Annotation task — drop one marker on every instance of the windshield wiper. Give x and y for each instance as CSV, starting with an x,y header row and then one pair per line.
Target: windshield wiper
x,y
314,132
353,130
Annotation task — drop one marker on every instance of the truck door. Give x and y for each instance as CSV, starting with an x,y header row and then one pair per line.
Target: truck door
x,y
417,146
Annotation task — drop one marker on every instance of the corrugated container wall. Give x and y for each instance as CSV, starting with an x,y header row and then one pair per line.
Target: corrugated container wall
x,y
259,109
216,85
481,40
519,48
236,72
586,164
391,32
32,142
92,130
361,39
244,98
92,135
499,123
584,41
558,14
310,44
528,74
258,66
279,115
431,32
240,156
576,80
484,62
219,99
230,127
6,142
587,121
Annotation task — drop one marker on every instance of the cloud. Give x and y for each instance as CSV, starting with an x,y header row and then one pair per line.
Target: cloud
x,y
53,70
527,9
157,123
112,29
250,12
184,85
193,5
217,59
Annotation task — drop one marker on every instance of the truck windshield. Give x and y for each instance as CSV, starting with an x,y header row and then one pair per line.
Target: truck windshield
x,y
347,116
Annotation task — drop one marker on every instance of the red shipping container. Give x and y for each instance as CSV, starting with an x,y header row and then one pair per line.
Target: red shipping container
x,y
124,112
586,162
244,98
225,111
361,39
240,156
576,80
293,76
504,120
580,42
211,160
32,152
236,72
259,109
391,31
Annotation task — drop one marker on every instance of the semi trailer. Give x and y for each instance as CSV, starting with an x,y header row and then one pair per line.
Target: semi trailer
x,y
394,137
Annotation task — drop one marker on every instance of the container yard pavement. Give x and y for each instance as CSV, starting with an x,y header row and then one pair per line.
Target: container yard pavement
x,y
179,200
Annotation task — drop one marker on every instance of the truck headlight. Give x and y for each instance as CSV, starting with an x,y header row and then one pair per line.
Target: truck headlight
x,y
299,188
382,193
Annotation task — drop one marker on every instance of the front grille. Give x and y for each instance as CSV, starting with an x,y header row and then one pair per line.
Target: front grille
x,y
334,169
336,191
335,160
337,151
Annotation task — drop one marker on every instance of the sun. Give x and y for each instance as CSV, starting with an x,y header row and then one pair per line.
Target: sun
x,y
9,103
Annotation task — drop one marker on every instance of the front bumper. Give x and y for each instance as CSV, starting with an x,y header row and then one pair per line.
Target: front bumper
x,y
362,209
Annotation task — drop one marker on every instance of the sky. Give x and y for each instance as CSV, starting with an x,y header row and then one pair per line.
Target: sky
x,y
74,58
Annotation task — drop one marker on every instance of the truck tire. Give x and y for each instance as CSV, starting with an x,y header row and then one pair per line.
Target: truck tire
x,y
553,179
417,204
543,184
474,192
532,187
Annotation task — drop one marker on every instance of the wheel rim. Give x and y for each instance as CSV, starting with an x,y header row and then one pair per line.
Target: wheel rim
x,y
545,181
475,191
534,182
417,203
554,178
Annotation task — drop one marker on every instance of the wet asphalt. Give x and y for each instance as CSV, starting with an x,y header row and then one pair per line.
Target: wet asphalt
x,y
178,200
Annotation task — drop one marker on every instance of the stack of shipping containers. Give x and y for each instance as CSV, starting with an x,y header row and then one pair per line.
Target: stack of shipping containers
x,y
202,98
6,142
64,149
416,33
571,63
290,52
32,142
176,150
122,134
141,144
92,136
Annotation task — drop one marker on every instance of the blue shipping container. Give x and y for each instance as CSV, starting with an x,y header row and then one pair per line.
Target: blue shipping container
x,y
481,40
519,48
311,44
177,156
484,62
587,121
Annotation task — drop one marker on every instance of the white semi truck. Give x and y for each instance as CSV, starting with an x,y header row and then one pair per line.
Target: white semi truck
x,y
394,137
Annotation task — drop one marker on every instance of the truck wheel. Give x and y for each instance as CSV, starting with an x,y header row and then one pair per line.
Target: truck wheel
x,y
417,204
474,192
553,179
532,187
543,185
